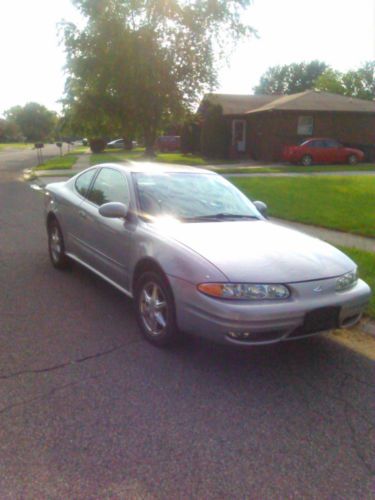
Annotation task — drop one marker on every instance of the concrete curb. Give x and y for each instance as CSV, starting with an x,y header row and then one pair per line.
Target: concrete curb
x,y
367,326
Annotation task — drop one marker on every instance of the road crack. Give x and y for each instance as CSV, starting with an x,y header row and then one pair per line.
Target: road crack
x,y
67,363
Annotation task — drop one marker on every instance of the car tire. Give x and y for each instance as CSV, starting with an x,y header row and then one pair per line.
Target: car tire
x,y
352,159
56,247
306,160
155,309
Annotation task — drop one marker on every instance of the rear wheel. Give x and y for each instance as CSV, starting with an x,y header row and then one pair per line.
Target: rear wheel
x,y
155,309
352,160
306,160
56,246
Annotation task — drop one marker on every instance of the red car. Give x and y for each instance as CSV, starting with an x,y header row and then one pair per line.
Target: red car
x,y
319,150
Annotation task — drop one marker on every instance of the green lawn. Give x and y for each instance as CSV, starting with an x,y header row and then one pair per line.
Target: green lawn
x,y
59,162
297,169
343,203
15,145
79,149
366,267
137,154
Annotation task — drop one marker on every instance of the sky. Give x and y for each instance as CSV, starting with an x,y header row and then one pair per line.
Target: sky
x,y
338,32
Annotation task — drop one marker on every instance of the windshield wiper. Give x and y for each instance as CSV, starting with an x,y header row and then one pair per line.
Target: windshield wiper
x,y
220,216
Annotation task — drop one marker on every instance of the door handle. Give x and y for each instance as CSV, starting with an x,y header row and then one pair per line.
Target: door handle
x,y
82,214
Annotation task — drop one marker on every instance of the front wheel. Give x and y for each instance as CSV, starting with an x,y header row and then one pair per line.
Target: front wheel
x,y
306,160
352,160
56,246
155,309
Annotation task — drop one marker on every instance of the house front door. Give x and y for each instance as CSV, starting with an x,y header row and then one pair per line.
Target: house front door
x,y
239,135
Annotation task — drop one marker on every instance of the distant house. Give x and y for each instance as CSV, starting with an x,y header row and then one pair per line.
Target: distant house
x,y
262,125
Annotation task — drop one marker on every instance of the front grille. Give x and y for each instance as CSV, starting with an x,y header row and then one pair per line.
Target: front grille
x,y
318,320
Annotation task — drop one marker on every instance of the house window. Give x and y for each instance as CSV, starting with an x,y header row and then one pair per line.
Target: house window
x,y
305,125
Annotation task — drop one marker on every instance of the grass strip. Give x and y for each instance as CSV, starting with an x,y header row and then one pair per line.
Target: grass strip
x,y
366,267
285,169
58,163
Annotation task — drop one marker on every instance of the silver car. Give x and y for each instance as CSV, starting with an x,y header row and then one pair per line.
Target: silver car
x,y
198,256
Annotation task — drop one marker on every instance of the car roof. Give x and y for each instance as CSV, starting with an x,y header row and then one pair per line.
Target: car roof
x,y
153,167
321,139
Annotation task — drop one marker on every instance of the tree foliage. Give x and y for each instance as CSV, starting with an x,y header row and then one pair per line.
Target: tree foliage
x,y
291,78
354,83
9,131
138,62
34,120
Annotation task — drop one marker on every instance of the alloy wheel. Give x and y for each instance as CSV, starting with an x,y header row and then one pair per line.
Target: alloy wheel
x,y
153,309
55,244
352,160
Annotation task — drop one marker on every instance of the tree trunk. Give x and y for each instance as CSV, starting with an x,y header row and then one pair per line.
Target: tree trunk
x,y
149,143
128,143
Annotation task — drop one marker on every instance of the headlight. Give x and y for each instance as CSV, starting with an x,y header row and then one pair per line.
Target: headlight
x,y
244,291
347,281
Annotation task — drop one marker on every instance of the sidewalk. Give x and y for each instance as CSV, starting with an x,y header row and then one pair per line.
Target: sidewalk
x,y
330,235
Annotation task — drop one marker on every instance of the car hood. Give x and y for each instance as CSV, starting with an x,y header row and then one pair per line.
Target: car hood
x,y
259,251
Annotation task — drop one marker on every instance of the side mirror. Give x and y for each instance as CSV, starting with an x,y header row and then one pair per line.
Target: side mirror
x,y
114,210
261,207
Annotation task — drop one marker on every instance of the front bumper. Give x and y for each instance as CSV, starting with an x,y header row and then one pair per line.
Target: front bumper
x,y
266,322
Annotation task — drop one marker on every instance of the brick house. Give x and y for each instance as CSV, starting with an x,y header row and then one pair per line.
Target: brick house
x,y
262,125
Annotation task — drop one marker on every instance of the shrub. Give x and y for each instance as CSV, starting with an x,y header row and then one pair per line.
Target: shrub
x,y
215,135
190,137
97,145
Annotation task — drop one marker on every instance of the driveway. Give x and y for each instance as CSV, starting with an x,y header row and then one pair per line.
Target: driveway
x,y
89,410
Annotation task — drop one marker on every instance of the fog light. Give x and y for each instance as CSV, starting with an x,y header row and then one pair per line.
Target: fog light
x,y
239,335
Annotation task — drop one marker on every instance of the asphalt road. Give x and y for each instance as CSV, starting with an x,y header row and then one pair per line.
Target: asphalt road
x,y
89,410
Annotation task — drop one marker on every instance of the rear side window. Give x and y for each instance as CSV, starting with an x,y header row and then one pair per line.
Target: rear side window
x,y
317,144
110,185
331,144
83,182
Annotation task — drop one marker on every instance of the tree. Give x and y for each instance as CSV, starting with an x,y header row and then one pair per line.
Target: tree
x,y
290,79
9,131
137,62
330,81
34,120
354,83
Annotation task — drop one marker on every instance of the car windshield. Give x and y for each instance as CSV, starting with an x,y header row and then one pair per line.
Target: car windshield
x,y
192,197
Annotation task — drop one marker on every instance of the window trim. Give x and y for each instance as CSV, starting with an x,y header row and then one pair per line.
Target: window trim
x,y
299,125
96,170
104,167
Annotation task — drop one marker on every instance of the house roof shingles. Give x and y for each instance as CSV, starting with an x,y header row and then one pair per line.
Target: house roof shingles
x,y
310,100
233,104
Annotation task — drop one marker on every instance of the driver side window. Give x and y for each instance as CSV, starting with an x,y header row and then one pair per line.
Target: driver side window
x,y
110,185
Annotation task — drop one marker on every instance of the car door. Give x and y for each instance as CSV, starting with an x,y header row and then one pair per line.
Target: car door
x,y
107,240
317,151
332,151
73,222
